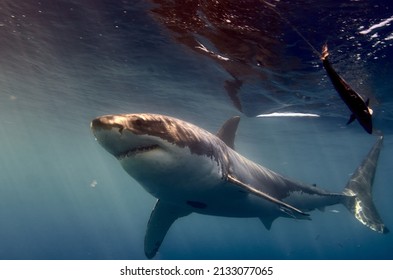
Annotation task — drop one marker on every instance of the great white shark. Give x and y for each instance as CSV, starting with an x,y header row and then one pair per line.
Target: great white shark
x,y
189,169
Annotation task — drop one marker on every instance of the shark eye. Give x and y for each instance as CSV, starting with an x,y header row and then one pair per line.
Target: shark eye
x,y
138,122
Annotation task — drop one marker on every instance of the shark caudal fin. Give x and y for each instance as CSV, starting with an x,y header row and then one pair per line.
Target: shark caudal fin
x,y
359,199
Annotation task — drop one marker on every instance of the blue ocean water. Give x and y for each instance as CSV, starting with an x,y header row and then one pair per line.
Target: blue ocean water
x,y
63,63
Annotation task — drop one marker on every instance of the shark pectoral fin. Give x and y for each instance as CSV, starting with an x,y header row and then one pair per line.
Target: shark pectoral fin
x,y
351,119
293,214
161,219
282,205
227,132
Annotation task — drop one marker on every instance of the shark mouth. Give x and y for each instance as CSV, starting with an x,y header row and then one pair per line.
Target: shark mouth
x,y
138,150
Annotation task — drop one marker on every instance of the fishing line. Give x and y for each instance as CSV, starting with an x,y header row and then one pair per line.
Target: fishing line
x,y
273,8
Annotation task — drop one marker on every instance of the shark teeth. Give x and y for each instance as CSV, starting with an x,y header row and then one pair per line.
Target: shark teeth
x,y
137,150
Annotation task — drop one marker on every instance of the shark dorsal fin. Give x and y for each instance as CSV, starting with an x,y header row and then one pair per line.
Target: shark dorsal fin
x,y
227,132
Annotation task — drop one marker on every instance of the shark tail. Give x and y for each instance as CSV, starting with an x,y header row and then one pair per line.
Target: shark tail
x,y
358,192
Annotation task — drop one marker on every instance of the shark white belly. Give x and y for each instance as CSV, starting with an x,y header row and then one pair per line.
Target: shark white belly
x,y
191,170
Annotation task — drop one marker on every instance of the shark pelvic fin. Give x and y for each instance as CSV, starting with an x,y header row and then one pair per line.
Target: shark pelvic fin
x,y
267,221
161,219
227,132
282,205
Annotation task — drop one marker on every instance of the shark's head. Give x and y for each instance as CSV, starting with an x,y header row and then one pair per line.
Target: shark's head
x,y
137,135
151,146
129,136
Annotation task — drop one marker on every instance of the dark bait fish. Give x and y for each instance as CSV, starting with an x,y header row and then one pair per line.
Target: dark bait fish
x,y
360,109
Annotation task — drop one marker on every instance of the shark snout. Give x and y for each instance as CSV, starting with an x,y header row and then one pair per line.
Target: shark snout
x,y
97,123
107,123
108,131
